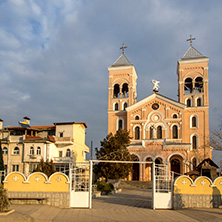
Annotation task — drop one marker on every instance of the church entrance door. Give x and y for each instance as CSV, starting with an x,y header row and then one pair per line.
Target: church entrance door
x,y
136,168
175,166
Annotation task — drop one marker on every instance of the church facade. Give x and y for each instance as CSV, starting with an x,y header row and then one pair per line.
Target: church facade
x,y
163,130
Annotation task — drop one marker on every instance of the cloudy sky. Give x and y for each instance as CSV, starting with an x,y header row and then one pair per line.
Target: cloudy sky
x,y
54,55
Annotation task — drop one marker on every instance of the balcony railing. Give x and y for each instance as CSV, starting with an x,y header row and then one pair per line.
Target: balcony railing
x,y
64,140
63,159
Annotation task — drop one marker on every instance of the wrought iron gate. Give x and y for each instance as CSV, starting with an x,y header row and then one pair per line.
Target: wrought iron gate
x,y
162,187
81,185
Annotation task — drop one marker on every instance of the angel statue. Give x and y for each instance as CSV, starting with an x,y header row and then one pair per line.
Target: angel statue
x,y
155,85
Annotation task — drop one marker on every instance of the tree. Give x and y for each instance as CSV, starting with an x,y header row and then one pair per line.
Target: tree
x,y
47,167
216,139
114,147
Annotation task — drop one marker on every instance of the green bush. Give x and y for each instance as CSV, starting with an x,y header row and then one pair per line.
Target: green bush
x,y
104,187
4,202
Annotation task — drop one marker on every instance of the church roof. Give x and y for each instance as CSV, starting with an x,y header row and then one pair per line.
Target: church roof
x,y
192,53
121,61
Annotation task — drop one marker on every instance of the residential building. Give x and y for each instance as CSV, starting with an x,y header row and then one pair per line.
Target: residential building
x,y
24,145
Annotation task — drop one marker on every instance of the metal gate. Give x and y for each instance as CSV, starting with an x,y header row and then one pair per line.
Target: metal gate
x,y
162,187
81,185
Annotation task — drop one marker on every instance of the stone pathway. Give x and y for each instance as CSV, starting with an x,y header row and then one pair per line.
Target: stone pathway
x,y
128,206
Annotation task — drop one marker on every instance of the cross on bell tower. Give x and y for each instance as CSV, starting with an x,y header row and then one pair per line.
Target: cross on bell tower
x,y
191,40
123,48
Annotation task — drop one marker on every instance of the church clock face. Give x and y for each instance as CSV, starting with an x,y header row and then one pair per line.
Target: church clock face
x,y
155,106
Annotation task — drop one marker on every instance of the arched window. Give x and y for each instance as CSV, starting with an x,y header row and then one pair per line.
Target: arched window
x,y
31,151
68,153
116,106
194,142
4,151
151,132
124,106
38,151
199,84
194,163
16,151
137,117
188,102
188,86
199,102
120,124
137,133
175,132
159,132
116,91
125,90
194,121
175,116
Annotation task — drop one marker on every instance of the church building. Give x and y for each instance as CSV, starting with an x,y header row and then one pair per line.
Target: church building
x,y
163,130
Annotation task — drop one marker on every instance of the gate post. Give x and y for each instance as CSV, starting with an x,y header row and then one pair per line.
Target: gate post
x,y
90,182
154,185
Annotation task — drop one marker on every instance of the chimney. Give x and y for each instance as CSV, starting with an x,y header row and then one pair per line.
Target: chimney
x,y
27,120
1,124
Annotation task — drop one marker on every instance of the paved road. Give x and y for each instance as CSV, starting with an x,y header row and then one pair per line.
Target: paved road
x,y
128,206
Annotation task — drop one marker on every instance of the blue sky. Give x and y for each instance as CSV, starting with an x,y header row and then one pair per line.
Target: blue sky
x,y
54,55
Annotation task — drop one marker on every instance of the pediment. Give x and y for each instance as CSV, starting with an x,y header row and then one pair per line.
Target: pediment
x,y
155,97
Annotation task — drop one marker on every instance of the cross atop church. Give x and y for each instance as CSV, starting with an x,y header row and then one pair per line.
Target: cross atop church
x,y
191,40
123,48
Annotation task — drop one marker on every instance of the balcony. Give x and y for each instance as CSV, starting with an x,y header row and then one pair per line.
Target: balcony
x,y
64,140
63,159
15,139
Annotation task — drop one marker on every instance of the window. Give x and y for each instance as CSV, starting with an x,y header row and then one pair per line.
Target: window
x,y
194,142
137,133
60,153
31,152
68,153
199,102
189,102
175,132
6,168
51,133
194,121
151,132
15,167
116,91
4,151
120,124
124,106
159,132
38,151
61,134
116,106
194,163
16,151
137,118
175,116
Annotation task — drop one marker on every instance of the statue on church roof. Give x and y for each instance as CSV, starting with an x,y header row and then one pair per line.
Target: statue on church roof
x,y
155,85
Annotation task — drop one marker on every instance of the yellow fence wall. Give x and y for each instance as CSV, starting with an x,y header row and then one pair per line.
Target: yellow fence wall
x,y
37,182
202,192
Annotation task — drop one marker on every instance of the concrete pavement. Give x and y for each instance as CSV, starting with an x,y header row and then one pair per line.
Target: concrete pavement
x,y
128,206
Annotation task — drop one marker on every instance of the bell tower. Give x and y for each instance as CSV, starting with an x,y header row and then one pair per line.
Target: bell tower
x,y
192,71
122,91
